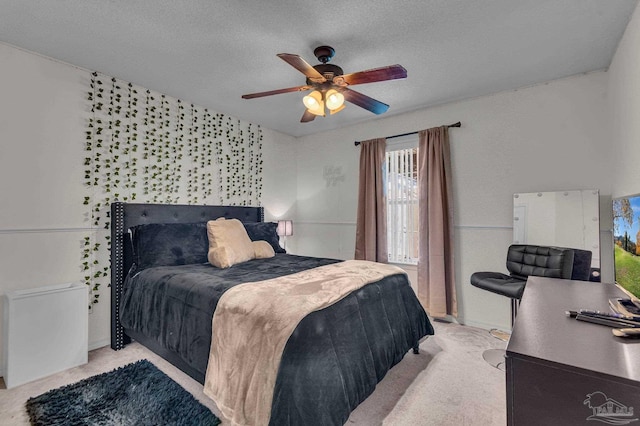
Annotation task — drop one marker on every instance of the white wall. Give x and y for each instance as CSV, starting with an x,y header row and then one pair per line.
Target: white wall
x,y
542,138
42,128
624,109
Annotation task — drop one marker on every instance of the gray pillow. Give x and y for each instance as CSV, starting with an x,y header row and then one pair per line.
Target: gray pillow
x,y
266,231
169,244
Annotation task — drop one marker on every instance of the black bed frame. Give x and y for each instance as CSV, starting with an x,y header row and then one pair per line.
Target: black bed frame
x,y
127,215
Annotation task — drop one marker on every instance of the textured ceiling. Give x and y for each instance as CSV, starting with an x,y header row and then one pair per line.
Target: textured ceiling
x,y
211,52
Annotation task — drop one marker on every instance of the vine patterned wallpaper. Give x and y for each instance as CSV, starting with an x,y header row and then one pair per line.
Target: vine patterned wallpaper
x,y
143,146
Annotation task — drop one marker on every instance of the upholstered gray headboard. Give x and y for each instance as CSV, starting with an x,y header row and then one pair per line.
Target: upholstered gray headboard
x,y
127,215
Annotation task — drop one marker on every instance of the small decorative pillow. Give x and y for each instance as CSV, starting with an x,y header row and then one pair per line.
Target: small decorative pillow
x,y
228,243
263,250
169,244
266,231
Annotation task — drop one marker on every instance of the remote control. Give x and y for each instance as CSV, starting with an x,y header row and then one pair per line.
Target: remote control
x,y
605,314
610,322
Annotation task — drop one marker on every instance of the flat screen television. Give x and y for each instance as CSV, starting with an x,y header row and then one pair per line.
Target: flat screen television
x,y
626,246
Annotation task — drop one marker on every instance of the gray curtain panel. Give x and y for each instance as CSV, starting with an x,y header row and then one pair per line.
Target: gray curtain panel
x,y
371,224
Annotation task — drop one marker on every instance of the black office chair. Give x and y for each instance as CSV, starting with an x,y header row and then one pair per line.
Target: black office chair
x,y
524,260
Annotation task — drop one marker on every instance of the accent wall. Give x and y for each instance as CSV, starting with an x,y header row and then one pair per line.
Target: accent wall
x,y
44,113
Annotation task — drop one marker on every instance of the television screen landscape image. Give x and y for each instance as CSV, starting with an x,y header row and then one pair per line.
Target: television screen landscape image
x,y
626,234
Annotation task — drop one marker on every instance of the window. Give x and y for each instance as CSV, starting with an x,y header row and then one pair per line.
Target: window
x,y
401,170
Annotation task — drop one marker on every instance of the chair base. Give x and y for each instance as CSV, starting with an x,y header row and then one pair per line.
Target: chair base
x,y
495,358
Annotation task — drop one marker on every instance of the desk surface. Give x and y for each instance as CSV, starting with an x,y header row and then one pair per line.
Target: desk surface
x,y
543,333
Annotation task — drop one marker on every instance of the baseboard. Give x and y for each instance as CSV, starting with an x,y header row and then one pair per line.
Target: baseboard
x,y
99,344
446,318
484,325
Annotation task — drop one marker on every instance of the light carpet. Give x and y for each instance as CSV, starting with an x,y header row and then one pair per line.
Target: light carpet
x,y
448,383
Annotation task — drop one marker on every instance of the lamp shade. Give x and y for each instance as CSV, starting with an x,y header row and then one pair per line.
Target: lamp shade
x,y
334,100
314,103
285,228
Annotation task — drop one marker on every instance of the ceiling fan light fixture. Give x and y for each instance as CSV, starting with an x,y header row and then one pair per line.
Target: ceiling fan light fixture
x,y
340,108
314,103
334,100
330,85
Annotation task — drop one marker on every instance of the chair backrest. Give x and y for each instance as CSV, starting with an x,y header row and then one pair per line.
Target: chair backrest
x,y
581,265
524,260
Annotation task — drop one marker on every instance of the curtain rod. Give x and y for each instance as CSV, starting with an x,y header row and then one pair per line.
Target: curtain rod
x,y
458,124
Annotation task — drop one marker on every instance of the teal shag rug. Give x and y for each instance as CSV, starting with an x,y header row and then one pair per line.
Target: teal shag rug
x,y
136,394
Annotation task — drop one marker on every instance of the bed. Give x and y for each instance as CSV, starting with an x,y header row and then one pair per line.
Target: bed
x,y
332,360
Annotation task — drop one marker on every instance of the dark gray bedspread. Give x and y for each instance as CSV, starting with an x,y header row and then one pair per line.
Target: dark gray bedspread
x,y
334,358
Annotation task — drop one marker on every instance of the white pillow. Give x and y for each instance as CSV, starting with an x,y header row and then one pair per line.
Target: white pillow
x,y
263,249
229,243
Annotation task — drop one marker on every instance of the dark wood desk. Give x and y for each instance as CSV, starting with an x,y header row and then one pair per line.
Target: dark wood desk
x,y
554,363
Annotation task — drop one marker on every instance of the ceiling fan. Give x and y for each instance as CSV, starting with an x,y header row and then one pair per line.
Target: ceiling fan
x,y
330,84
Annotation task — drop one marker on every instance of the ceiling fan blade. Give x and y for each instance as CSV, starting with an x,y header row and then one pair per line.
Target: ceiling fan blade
x,y
303,66
364,101
307,116
390,72
276,92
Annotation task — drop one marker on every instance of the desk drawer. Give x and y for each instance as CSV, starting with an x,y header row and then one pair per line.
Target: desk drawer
x,y
540,393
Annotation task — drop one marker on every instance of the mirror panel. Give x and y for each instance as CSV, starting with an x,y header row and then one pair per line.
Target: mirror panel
x,y
562,218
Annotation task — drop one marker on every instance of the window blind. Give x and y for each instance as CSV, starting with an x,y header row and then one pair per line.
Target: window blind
x,y
402,205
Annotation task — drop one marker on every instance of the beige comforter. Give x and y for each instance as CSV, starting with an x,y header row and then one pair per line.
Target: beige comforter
x,y
253,322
